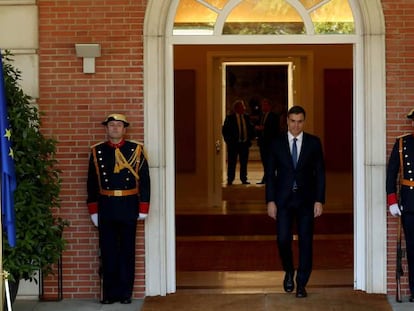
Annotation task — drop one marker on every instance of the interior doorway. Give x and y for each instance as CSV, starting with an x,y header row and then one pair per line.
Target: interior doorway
x,y
367,46
228,233
253,82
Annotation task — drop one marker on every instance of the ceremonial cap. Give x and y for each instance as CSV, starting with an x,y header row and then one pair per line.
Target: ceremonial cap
x,y
410,115
116,117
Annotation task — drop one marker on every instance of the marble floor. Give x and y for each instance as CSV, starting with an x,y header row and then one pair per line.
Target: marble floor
x,y
248,199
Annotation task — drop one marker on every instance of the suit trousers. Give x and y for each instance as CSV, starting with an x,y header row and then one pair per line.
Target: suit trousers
x,y
117,243
408,226
240,150
264,148
298,212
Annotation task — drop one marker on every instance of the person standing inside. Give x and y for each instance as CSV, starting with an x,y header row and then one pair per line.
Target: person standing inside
x,y
400,164
295,192
118,188
267,130
238,132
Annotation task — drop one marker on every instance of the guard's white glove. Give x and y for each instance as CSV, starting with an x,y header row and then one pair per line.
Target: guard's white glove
x,y
94,218
395,210
142,216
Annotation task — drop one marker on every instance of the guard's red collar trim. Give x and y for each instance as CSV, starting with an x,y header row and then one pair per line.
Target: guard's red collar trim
x,y
118,145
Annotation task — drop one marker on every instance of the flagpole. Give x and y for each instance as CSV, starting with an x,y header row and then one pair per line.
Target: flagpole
x,y
1,256
4,284
1,227
1,221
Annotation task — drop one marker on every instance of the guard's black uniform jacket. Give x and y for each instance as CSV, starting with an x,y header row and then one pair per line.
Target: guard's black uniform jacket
x,y
406,191
118,187
406,194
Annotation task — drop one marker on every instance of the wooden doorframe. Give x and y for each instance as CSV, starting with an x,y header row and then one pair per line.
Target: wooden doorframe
x,y
216,100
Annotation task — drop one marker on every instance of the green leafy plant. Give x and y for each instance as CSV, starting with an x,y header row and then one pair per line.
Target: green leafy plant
x,y
38,231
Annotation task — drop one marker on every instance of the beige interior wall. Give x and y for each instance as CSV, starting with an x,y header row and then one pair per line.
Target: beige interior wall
x,y
191,188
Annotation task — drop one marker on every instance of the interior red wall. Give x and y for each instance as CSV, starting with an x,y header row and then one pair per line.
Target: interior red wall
x,y
338,92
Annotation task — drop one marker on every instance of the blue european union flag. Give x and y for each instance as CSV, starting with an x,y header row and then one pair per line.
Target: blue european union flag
x,y
8,176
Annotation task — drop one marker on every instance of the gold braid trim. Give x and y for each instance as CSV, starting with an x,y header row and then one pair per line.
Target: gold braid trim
x,y
121,162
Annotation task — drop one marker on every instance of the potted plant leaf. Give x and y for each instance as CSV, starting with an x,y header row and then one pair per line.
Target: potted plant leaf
x,y
39,238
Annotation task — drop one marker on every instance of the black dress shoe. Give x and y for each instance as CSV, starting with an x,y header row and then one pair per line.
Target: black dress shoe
x,y
411,299
107,301
288,284
245,182
125,301
301,292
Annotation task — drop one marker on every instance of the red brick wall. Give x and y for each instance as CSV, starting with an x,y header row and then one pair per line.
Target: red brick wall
x,y
399,21
75,103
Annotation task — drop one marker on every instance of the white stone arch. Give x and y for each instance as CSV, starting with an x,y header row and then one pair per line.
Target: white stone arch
x,y
369,140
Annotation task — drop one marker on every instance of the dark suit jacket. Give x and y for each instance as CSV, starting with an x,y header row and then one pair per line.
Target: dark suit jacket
x,y
309,173
230,130
271,129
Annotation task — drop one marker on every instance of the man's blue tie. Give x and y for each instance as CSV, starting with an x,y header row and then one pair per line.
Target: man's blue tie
x,y
294,152
295,160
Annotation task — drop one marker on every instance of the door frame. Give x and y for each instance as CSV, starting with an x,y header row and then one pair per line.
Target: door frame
x,y
216,103
220,110
369,145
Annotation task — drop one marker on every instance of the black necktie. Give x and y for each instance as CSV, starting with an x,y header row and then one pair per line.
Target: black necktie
x,y
294,152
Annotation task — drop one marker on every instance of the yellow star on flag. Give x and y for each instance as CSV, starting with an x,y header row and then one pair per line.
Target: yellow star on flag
x,y
11,153
8,134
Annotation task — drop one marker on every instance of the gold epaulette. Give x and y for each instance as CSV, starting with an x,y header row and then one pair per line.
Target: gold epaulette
x,y
141,151
136,142
403,135
97,144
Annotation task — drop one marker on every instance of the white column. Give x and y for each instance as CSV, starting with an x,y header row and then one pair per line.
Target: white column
x,y
159,139
375,165
371,224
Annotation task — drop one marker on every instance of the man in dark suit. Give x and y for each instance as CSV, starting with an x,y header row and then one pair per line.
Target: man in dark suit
x,y
118,194
401,162
295,191
238,132
267,130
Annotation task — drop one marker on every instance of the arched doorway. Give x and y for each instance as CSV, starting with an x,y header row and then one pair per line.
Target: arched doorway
x,y
228,239
369,140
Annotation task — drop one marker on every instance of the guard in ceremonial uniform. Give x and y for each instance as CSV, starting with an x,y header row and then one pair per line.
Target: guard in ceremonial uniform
x,y
118,195
402,160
